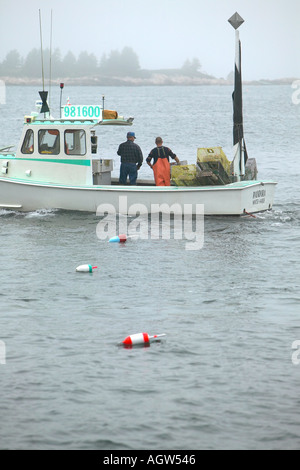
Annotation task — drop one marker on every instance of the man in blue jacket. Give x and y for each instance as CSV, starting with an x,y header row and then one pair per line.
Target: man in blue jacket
x,y
131,159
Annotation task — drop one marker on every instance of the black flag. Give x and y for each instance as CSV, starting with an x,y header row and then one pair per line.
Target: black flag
x,y
238,132
237,96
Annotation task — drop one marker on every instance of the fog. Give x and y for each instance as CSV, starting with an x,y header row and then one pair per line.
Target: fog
x,y
163,33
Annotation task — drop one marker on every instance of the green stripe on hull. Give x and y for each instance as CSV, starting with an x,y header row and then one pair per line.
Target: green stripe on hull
x,y
49,160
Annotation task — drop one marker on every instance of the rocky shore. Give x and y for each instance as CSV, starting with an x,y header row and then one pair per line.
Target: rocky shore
x,y
156,79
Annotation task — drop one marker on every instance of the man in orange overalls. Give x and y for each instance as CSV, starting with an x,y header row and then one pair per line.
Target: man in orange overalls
x,y
161,165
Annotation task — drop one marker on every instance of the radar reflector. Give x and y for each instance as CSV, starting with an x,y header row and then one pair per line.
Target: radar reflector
x,y
45,107
236,20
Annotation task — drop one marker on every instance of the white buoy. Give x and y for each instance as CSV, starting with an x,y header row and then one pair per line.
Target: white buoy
x,y
85,268
141,338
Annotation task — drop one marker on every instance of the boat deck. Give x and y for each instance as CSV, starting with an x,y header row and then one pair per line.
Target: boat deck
x,y
140,182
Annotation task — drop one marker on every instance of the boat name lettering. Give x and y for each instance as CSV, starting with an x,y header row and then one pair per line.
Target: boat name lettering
x,y
259,197
91,112
259,201
259,193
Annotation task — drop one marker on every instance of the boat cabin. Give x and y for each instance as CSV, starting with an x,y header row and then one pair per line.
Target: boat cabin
x,y
58,151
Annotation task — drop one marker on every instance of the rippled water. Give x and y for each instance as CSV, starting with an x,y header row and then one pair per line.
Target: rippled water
x,y
223,378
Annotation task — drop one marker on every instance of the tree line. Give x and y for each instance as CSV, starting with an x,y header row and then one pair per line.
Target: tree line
x,y
114,64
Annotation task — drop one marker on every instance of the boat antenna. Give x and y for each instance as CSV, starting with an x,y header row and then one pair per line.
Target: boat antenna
x,y
43,94
238,132
42,59
50,65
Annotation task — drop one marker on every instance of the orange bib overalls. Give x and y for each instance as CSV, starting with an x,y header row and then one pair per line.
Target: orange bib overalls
x,y
162,171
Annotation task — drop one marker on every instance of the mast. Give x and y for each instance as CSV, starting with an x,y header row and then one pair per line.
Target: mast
x,y
50,63
240,152
43,94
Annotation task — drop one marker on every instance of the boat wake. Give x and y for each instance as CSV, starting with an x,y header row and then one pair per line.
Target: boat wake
x,y
41,213
281,216
5,213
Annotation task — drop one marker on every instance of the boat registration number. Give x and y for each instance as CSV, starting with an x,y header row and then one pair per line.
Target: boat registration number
x,y
87,112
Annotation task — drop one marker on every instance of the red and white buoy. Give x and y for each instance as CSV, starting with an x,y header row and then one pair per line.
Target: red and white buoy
x,y
85,268
141,338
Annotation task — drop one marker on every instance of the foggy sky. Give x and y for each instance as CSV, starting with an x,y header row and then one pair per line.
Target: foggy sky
x,y
163,33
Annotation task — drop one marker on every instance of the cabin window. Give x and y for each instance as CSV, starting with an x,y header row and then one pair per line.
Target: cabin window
x,y
27,146
49,142
75,142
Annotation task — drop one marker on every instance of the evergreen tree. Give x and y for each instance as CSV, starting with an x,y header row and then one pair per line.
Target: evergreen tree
x,y
125,63
12,64
191,67
68,65
32,67
110,65
56,63
129,62
86,64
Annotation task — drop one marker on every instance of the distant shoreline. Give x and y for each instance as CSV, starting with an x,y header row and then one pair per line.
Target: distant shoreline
x,y
154,80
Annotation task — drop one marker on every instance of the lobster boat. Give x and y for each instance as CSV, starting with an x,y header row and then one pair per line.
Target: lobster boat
x,y
56,166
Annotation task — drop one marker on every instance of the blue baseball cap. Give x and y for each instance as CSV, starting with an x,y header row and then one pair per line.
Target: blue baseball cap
x,y
131,134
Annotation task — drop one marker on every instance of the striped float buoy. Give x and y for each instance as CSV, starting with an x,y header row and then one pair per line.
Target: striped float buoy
x,y
86,268
141,338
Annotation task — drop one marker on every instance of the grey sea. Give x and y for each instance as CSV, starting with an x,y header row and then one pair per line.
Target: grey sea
x,y
227,374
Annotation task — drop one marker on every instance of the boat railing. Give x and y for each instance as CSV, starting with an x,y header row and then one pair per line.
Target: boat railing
x,y
7,150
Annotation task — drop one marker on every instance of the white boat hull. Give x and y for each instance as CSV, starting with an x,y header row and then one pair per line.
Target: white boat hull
x,y
233,199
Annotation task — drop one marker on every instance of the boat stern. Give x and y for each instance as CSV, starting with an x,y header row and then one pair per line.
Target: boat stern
x,y
257,196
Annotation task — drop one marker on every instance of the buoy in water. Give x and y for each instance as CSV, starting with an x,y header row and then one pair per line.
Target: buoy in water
x,y
118,239
85,268
141,338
